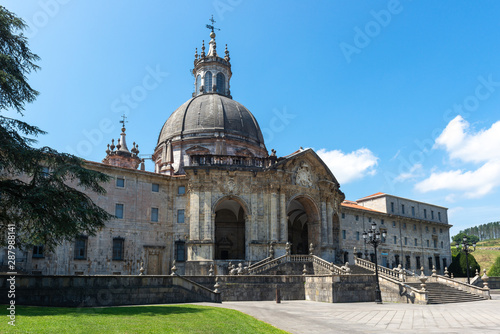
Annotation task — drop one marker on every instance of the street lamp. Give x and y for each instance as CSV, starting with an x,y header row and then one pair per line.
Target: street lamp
x,y
467,249
372,237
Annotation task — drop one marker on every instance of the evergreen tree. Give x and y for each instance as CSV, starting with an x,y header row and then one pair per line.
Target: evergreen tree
x,y
458,264
495,269
36,200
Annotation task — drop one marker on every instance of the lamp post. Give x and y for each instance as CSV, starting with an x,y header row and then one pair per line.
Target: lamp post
x,y
467,249
373,238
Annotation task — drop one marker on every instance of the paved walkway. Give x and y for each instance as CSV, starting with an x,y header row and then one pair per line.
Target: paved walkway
x,y
314,317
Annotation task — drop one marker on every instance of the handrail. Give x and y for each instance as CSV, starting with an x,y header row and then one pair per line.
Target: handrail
x,y
253,265
469,286
267,265
263,266
381,270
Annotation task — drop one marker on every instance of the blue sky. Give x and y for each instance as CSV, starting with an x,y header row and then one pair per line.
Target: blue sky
x,y
401,97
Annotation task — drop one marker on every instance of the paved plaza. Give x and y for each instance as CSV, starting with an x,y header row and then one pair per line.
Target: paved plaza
x,y
315,317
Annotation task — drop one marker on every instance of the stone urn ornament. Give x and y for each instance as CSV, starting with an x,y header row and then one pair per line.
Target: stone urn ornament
x,y
422,279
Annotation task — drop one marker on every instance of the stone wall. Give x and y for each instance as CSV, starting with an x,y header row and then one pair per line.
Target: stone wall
x,y
340,289
83,291
399,293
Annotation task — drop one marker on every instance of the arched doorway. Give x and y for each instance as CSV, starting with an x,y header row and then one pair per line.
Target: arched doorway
x,y
229,231
302,218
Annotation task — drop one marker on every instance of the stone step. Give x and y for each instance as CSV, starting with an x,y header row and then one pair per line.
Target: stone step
x,y
444,294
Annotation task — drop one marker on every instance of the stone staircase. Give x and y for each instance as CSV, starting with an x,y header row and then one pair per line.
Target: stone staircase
x,y
358,270
444,294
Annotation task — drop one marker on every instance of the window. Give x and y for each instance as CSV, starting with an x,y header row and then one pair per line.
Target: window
x,y
435,243
404,226
425,213
120,182
427,229
357,235
406,241
439,216
427,242
396,258
38,251
402,208
198,83
440,230
154,214
438,263
417,260
392,206
180,216
433,230
208,81
414,227
444,263
442,244
45,171
432,215
155,187
180,251
181,190
408,262
369,219
357,217
393,224
381,222
344,234
413,211
343,215
119,211
81,248
416,242
221,82
430,262
118,248
395,240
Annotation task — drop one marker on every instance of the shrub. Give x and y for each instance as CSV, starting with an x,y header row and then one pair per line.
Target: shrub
x,y
458,265
495,269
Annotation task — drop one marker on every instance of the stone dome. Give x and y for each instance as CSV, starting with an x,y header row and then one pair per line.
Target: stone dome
x,y
209,116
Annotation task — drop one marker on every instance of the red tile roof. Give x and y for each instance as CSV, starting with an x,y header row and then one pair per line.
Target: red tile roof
x,y
373,195
354,205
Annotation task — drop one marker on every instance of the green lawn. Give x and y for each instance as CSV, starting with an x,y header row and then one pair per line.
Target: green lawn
x,y
135,319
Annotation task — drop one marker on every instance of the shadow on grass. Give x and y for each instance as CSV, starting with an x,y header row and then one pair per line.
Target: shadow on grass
x,y
33,311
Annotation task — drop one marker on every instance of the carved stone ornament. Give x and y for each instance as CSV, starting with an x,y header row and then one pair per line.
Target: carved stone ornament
x,y
231,185
303,177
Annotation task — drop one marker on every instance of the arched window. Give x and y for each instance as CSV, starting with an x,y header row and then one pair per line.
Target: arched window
x,y
208,81
198,82
221,89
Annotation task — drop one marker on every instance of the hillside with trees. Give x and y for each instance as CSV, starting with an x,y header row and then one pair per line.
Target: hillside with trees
x,y
484,231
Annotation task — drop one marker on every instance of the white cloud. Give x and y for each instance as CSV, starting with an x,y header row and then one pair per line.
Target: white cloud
x,y
348,167
465,145
414,172
461,143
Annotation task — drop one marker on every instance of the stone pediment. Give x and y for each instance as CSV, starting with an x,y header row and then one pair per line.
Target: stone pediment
x,y
197,150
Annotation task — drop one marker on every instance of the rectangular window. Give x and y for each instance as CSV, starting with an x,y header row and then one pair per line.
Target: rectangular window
x,y
413,211
181,190
120,182
430,262
417,260
38,251
432,215
369,219
357,235
81,248
425,213
404,226
118,248
414,227
154,214
440,230
444,263
180,251
381,222
393,224
406,241
180,216
435,243
392,206
402,208
442,244
45,171
427,229
119,211
395,240
428,243
344,234
155,187
433,230
357,217
343,215
439,216
416,242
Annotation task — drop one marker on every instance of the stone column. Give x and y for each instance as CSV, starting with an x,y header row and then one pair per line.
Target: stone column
x,y
254,224
274,215
283,217
329,223
207,210
324,225
194,214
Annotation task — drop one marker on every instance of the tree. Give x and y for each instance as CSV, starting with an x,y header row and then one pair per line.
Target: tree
x,y
35,192
459,238
458,264
495,269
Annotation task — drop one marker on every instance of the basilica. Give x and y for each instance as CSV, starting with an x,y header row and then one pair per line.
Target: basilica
x,y
217,195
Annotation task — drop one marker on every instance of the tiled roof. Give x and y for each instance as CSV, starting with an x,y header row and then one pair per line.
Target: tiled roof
x,y
373,195
354,205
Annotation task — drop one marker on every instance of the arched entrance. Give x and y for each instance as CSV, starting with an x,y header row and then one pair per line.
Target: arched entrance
x,y
229,231
302,218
